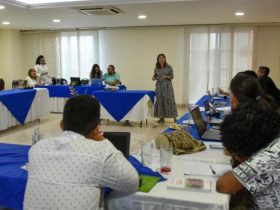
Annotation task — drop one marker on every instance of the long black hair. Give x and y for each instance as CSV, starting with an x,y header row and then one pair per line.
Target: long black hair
x,y
94,73
38,59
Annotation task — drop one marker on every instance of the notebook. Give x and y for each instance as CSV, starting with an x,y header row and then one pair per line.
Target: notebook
x,y
206,168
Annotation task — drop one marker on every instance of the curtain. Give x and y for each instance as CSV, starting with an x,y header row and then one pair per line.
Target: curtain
x,y
46,44
68,54
79,51
215,54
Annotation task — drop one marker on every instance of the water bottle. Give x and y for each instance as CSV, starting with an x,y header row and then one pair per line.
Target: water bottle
x,y
36,136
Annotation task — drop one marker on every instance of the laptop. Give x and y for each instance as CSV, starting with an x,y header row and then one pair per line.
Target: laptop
x,y
204,133
75,81
96,82
121,140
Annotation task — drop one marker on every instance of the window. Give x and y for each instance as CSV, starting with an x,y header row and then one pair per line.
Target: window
x,y
215,55
79,51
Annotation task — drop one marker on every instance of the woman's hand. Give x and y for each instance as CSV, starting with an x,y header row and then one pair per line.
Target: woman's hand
x,y
165,78
154,78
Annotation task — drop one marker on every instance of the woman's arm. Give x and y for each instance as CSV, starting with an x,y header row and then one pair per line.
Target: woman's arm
x,y
228,184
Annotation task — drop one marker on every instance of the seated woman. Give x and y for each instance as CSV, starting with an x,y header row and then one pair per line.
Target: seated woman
x,y
32,78
112,77
244,89
251,136
96,72
247,72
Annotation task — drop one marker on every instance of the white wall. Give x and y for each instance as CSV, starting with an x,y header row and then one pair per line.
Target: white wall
x,y
134,51
11,57
268,50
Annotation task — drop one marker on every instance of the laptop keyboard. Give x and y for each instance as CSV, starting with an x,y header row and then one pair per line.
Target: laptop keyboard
x,y
212,134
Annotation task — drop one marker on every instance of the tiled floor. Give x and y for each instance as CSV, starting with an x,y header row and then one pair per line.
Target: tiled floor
x,y
49,126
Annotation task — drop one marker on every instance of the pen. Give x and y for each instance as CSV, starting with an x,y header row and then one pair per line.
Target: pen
x,y
212,170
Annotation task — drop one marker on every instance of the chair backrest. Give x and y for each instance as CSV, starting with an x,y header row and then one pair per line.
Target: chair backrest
x,y
15,84
2,84
121,140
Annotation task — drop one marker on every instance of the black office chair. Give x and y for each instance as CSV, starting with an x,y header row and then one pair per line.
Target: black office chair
x,y
15,84
121,140
2,84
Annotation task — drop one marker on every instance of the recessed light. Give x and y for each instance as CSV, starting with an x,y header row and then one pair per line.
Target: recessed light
x,y
56,20
239,13
141,17
6,23
2,7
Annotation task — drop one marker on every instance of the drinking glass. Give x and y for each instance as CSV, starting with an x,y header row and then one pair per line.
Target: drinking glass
x,y
146,153
166,152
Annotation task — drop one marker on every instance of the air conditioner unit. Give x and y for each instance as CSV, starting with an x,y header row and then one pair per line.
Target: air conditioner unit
x,y
101,10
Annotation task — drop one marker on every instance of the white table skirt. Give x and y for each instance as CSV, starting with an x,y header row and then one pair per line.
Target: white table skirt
x,y
138,113
161,198
40,108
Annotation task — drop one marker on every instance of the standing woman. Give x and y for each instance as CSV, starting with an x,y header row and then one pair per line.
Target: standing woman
x,y
96,72
42,69
165,106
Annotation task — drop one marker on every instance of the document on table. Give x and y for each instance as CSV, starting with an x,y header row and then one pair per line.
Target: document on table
x,y
205,168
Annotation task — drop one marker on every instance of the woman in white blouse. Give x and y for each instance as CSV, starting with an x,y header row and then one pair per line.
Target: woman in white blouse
x,y
32,78
42,69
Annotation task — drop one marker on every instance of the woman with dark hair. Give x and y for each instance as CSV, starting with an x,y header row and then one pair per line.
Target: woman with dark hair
x,y
42,69
32,78
244,89
96,72
165,106
251,136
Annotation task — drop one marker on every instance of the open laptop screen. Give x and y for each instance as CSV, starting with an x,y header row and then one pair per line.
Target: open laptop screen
x,y
121,140
198,121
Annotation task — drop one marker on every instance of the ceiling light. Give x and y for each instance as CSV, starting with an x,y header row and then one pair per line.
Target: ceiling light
x,y
56,20
33,2
6,23
141,17
2,7
239,13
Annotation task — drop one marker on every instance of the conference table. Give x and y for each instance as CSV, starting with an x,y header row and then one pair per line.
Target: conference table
x,y
13,179
19,106
116,105
162,198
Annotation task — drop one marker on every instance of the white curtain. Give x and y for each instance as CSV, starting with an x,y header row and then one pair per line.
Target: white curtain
x,y
215,55
67,53
79,51
46,44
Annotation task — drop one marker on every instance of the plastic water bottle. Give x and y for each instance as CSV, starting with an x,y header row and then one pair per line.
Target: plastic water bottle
x,y
36,136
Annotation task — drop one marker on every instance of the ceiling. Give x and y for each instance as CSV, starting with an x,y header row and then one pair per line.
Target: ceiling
x,y
159,12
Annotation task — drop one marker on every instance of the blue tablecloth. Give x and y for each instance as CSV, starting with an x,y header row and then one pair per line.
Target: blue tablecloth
x,y
119,103
62,91
192,128
18,102
13,179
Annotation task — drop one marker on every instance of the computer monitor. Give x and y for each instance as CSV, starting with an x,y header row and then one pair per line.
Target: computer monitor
x,y
75,81
121,140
